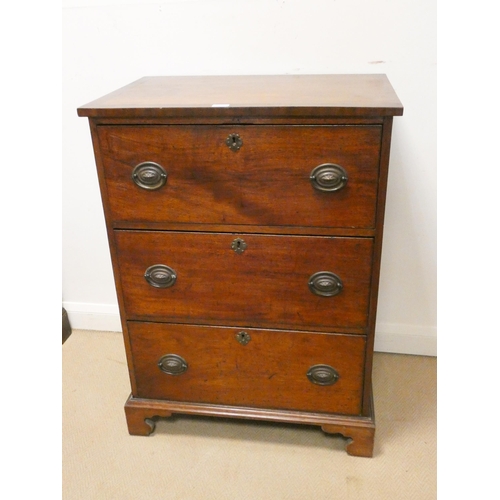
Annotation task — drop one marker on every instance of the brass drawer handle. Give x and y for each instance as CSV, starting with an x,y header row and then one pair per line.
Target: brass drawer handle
x,y
325,284
323,375
160,276
172,364
328,177
149,175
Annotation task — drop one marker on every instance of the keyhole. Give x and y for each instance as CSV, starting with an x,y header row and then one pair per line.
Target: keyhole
x,y
238,245
234,142
243,338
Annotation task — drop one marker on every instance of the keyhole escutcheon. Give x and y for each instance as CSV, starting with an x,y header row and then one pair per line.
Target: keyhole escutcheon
x,y
234,142
238,245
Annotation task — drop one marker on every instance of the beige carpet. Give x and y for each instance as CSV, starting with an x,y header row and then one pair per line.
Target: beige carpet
x,y
189,458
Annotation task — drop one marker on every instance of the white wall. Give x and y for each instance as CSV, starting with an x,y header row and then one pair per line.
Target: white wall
x,y
108,44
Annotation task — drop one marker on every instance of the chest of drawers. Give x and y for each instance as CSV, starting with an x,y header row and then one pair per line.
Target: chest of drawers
x,y
245,217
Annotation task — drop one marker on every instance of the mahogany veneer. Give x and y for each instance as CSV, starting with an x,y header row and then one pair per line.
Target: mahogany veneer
x,y
245,217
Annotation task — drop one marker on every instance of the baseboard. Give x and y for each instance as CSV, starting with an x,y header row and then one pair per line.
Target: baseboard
x,y
88,316
406,339
390,337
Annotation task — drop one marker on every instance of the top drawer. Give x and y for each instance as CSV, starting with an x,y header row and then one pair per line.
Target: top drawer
x,y
261,176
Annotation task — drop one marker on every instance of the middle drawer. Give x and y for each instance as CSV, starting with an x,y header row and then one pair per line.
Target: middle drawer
x,y
246,279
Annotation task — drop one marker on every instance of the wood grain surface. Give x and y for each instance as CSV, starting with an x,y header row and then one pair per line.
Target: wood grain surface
x,y
266,182
254,95
270,371
266,285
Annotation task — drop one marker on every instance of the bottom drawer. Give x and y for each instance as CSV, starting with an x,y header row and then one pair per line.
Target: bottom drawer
x,y
318,372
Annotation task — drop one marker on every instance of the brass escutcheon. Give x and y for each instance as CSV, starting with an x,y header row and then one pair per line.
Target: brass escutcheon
x,y
234,142
243,338
238,245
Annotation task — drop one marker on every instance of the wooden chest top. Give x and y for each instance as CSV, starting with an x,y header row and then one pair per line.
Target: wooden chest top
x,y
251,96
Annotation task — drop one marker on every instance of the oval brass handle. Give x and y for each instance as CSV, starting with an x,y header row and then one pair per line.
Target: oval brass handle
x,y
323,375
173,364
325,284
149,175
160,276
328,177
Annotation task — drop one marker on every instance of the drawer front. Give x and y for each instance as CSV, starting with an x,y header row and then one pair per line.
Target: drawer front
x,y
194,176
272,369
246,279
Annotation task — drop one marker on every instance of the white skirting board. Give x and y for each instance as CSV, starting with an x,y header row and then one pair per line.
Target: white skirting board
x,y
406,339
86,316
390,337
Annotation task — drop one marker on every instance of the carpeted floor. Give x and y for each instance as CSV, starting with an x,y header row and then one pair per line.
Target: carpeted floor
x,y
190,458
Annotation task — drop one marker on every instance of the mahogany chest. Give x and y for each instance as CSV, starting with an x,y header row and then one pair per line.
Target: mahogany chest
x,y
245,218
